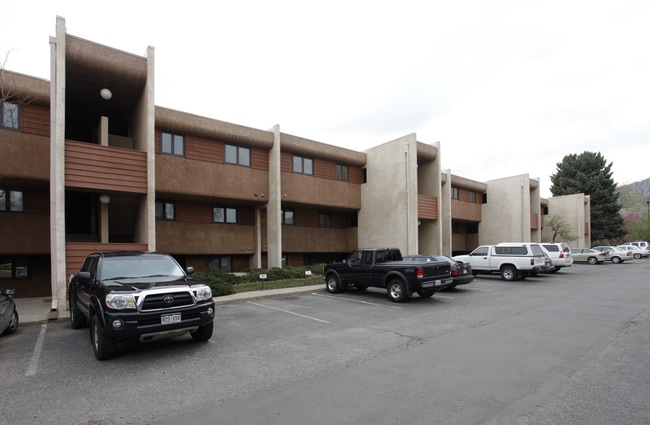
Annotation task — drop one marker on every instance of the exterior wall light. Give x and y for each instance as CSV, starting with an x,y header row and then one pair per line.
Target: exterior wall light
x,y
104,199
106,94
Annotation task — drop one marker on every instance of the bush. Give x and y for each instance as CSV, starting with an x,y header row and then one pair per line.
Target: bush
x,y
223,283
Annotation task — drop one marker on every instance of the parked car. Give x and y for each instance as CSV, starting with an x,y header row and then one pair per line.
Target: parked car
x,y
589,256
512,260
616,255
8,312
460,272
560,254
635,250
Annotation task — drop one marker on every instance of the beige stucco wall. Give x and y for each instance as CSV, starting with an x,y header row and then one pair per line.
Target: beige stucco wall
x,y
388,216
575,210
506,214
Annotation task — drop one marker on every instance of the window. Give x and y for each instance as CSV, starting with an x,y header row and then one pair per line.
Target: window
x,y
238,155
472,197
288,217
12,200
10,114
303,165
455,193
173,144
13,268
224,215
165,210
325,220
221,263
342,173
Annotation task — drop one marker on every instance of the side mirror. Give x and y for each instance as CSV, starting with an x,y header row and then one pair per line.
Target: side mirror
x,y
189,270
84,275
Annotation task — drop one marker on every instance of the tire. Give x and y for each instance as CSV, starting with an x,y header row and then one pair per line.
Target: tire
x,y
397,291
592,260
637,256
509,273
426,293
104,346
333,283
616,260
77,319
203,333
13,324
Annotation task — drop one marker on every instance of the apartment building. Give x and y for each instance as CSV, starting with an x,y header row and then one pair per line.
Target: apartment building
x,y
88,162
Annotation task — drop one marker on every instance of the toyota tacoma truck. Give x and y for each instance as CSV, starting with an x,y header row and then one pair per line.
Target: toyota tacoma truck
x,y
140,296
384,268
512,260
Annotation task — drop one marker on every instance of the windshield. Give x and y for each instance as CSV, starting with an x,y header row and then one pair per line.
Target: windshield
x,y
141,266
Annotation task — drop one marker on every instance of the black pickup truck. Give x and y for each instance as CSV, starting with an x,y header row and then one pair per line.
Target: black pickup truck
x,y
384,268
143,296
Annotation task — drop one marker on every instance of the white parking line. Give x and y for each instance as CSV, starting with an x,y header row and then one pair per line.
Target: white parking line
x,y
356,301
437,295
289,312
36,355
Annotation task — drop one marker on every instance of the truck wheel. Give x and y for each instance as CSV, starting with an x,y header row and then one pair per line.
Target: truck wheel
x,y
77,320
104,346
426,293
592,260
508,273
397,291
203,333
333,283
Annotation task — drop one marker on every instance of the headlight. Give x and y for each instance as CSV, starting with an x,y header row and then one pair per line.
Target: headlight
x,y
202,292
119,301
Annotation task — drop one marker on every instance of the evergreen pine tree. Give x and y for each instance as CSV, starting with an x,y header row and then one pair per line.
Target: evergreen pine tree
x,y
590,174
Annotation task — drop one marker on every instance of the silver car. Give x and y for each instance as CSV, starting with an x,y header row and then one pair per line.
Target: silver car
x,y
8,312
635,250
616,255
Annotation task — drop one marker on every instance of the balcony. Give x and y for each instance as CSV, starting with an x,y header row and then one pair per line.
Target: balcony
x,y
427,207
91,166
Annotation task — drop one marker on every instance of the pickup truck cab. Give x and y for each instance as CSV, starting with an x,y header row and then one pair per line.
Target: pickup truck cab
x,y
142,296
384,268
512,260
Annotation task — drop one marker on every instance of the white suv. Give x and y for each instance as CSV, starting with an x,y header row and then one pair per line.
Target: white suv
x,y
640,244
560,254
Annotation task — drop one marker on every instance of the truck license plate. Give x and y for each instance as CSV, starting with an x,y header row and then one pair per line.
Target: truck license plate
x,y
166,319
439,282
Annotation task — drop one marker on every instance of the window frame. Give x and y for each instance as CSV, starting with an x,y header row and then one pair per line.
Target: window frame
x,y
472,197
164,204
173,146
342,173
455,193
15,120
285,217
15,263
325,219
299,165
226,214
8,204
242,155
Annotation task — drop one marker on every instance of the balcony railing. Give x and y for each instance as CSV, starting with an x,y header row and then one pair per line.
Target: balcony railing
x,y
92,166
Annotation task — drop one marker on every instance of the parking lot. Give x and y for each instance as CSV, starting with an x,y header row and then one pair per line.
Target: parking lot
x,y
571,347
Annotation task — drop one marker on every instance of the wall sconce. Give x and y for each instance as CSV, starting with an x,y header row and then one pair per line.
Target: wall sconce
x,y
104,199
106,94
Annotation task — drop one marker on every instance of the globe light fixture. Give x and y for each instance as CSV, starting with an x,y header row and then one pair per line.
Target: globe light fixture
x,y
106,94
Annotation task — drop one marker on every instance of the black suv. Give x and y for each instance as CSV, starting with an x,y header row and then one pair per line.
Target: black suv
x,y
138,295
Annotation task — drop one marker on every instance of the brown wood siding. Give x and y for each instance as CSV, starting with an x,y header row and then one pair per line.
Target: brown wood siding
x,y
465,210
427,207
323,169
201,213
35,120
534,221
98,167
209,150
76,252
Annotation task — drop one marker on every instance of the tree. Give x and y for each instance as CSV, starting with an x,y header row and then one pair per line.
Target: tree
x,y
589,173
560,228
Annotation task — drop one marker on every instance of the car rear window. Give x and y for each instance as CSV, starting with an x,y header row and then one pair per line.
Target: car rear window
x,y
552,248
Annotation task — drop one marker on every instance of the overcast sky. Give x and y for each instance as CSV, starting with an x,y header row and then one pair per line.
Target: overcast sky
x,y
506,87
